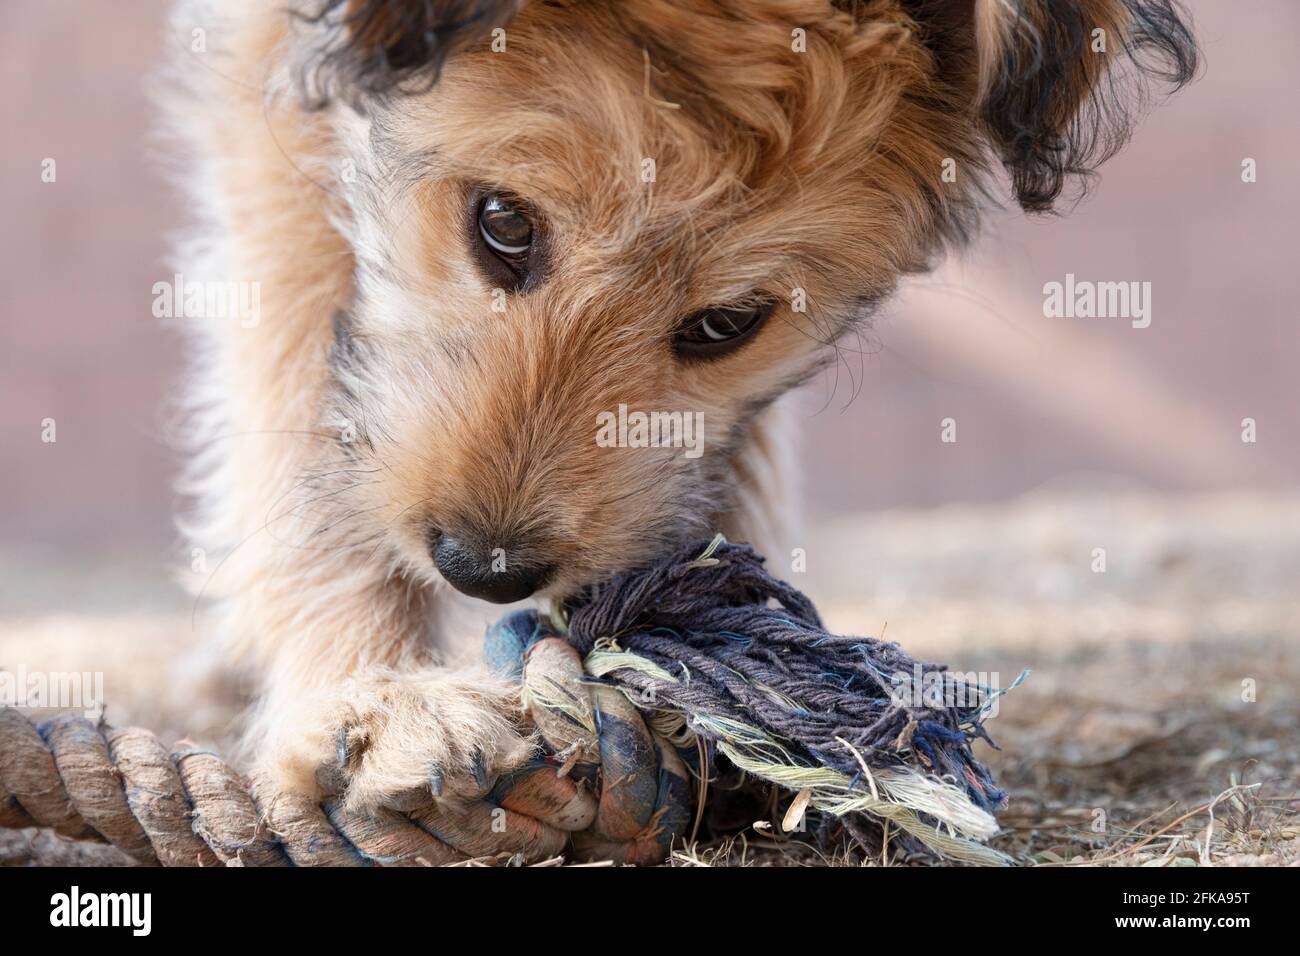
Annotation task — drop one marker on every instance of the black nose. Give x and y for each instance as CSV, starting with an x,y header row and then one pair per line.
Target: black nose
x,y
485,574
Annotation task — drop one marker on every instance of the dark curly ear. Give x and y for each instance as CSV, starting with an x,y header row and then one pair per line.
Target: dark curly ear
x,y
1057,82
372,47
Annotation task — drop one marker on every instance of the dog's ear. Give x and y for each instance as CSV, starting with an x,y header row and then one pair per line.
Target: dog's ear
x,y
1054,83
369,47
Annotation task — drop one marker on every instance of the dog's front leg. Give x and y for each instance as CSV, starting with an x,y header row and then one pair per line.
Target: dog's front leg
x,y
355,707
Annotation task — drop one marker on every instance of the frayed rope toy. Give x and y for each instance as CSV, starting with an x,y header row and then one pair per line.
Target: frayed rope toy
x,y
645,691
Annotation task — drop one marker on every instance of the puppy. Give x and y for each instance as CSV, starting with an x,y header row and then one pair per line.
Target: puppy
x,y
477,226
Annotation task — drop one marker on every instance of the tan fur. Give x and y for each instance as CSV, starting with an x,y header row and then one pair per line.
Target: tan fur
x,y
776,171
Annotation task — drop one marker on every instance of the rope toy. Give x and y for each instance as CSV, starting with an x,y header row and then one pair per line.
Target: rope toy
x,y
721,655
634,688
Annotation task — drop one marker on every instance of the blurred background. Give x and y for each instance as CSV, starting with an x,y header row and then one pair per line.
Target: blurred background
x,y
1072,434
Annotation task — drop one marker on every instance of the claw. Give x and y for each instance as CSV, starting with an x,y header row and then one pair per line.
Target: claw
x,y
435,781
480,769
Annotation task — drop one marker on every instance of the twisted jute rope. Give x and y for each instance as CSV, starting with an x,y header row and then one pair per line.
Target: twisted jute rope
x,y
183,807
180,808
618,793
187,807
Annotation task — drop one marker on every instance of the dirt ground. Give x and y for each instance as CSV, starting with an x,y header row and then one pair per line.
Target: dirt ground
x,y
1159,726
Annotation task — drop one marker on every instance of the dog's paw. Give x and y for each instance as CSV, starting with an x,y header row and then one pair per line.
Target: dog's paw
x,y
398,741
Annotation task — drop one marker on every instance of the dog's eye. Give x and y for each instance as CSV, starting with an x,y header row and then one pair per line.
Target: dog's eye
x,y
507,238
506,227
717,331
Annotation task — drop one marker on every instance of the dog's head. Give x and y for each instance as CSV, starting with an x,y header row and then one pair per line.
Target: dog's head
x,y
563,209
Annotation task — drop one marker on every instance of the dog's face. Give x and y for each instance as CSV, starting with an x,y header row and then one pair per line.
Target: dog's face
x,y
659,206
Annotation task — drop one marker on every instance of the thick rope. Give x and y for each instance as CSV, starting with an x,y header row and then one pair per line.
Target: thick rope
x,y
123,787
187,807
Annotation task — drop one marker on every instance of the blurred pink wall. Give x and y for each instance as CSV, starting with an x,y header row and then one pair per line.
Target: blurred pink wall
x,y
1036,400
1041,400
78,341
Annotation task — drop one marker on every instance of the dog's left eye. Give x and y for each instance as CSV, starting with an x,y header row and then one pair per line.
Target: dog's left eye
x,y
505,235
717,331
506,227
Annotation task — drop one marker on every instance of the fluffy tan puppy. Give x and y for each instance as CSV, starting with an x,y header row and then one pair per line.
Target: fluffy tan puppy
x,y
478,226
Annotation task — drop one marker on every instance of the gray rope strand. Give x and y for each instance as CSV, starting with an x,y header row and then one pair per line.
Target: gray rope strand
x,y
750,648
